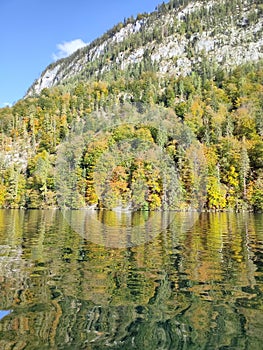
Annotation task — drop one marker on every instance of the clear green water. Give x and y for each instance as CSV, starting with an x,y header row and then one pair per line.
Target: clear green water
x,y
66,283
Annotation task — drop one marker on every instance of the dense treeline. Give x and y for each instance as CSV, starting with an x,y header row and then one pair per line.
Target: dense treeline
x,y
102,134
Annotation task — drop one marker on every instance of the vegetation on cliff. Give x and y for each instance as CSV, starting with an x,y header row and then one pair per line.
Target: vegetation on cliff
x,y
210,128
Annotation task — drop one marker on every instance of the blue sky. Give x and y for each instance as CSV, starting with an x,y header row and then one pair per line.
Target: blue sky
x,y
34,33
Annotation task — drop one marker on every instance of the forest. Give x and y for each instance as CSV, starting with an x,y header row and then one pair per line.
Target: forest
x,y
146,143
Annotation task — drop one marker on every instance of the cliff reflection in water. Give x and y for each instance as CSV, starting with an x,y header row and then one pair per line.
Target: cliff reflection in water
x,y
188,286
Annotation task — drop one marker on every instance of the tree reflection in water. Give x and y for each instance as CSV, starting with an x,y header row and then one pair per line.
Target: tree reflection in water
x,y
194,287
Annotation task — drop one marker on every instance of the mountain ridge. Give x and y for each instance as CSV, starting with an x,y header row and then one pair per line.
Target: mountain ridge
x,y
176,39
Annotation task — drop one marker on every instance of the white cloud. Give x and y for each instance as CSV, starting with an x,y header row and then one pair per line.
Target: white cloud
x,y
68,47
5,104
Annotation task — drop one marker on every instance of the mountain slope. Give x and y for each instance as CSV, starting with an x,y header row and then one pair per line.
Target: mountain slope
x,y
179,37
157,114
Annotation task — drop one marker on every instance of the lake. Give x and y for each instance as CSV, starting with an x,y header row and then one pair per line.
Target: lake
x,y
110,280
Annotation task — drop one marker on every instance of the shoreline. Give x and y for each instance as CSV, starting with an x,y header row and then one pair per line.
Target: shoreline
x,y
139,211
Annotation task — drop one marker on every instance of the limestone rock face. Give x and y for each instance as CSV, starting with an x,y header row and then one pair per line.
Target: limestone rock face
x,y
177,39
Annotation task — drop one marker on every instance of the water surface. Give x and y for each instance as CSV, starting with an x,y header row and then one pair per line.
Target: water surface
x,y
185,283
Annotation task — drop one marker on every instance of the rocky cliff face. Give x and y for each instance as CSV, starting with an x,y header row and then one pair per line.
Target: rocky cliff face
x,y
178,38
